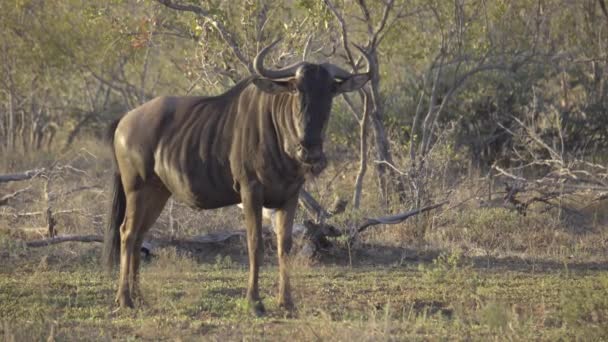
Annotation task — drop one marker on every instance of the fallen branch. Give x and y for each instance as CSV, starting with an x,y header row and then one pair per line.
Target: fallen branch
x,y
211,238
64,238
36,213
394,219
14,177
313,235
4,199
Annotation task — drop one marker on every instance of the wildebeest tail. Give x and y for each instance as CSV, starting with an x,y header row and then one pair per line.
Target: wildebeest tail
x,y
111,244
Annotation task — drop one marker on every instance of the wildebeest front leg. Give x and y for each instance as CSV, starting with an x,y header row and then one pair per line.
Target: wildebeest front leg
x,y
251,196
284,221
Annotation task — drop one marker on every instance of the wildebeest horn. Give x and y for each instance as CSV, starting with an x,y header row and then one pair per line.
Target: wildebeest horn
x,y
340,73
336,71
286,72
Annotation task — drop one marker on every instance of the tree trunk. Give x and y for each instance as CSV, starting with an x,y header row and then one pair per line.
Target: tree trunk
x,y
387,180
10,131
362,152
76,130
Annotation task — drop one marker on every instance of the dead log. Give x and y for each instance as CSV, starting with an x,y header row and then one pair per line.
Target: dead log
x,y
196,241
312,207
310,237
14,177
64,238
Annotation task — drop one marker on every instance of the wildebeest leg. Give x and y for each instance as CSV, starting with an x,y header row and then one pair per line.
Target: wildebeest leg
x,y
127,242
139,203
284,221
251,197
155,198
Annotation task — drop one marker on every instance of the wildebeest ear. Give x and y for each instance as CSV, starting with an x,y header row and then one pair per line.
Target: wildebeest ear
x,y
272,87
353,83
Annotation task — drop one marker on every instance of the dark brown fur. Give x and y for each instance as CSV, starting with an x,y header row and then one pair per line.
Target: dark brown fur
x,y
254,144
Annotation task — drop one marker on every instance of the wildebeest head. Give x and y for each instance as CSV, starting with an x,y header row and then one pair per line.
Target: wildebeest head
x,y
313,86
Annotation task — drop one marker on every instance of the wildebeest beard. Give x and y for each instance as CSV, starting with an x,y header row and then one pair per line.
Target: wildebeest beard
x,y
314,168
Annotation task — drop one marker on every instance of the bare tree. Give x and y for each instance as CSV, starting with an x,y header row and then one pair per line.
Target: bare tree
x,y
376,29
449,70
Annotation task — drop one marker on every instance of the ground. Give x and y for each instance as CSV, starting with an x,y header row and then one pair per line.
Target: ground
x,y
476,269
62,292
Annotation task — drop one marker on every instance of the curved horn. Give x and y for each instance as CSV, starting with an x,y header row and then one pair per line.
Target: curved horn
x,y
336,72
340,73
286,72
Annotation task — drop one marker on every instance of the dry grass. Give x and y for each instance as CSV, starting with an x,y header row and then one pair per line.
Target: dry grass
x,y
474,271
188,299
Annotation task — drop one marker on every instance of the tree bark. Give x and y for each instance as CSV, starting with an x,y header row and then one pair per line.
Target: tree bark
x,y
364,123
388,179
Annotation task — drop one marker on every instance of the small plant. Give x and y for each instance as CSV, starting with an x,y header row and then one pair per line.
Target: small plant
x,y
443,268
223,262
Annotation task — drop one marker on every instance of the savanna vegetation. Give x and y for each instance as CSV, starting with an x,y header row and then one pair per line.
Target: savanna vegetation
x,y
497,108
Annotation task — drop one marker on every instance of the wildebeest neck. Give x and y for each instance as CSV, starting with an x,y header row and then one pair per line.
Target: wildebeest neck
x,y
264,138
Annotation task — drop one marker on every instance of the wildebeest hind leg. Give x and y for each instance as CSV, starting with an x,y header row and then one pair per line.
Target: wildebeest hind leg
x,y
154,200
142,205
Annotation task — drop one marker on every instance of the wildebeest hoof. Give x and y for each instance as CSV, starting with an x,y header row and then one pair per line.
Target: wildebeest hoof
x,y
257,308
127,303
136,293
124,302
287,305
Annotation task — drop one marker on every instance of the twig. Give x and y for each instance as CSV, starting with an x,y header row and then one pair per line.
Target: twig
x,y
510,175
391,166
226,35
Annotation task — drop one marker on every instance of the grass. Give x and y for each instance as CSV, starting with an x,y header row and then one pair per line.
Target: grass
x,y
469,273
62,292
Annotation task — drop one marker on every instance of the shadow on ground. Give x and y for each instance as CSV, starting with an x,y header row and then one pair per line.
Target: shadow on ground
x,y
366,255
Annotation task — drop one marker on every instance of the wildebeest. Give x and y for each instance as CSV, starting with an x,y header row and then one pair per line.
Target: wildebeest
x,y
255,144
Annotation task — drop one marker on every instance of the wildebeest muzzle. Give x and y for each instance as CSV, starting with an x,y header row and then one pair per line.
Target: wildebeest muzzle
x,y
312,156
